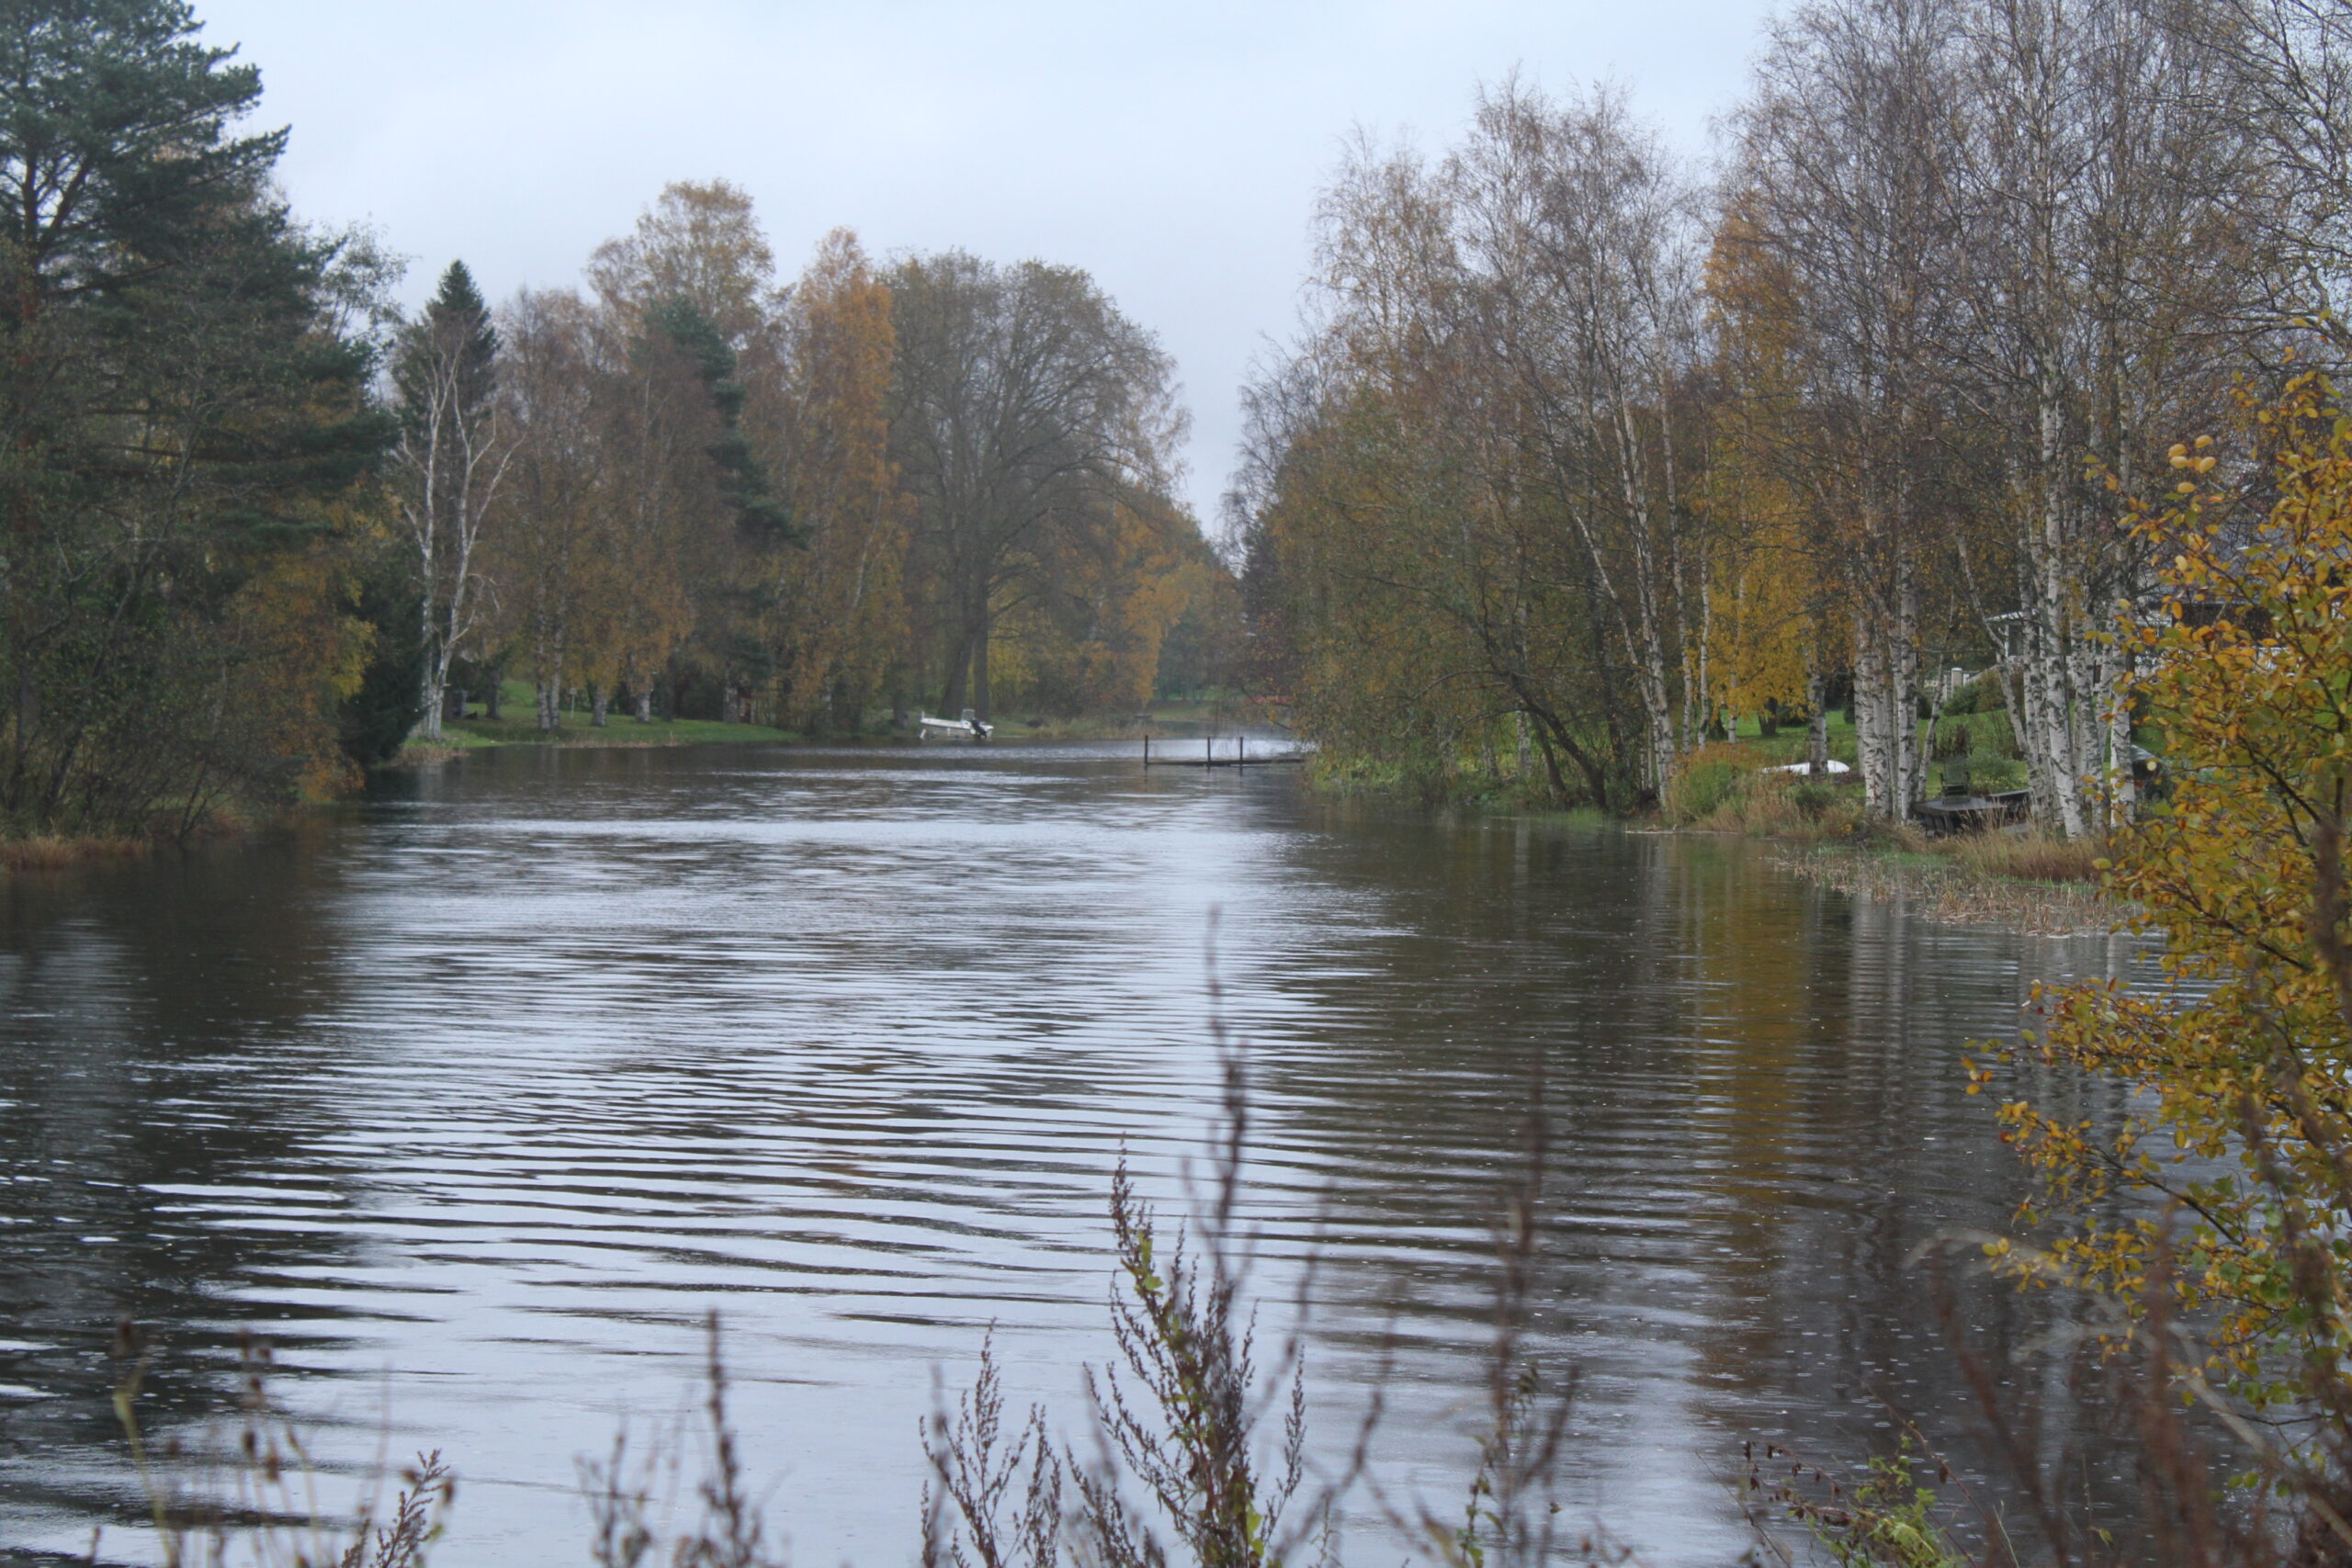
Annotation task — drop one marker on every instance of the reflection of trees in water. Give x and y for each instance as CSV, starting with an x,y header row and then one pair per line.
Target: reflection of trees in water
x,y
1758,1116
146,1009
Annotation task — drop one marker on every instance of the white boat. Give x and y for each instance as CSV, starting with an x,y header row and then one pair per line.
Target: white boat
x,y
971,724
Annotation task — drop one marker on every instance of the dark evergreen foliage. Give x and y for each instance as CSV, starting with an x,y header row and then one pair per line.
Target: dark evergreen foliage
x,y
375,721
179,416
759,509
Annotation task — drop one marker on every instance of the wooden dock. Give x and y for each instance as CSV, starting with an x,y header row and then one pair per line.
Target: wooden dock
x,y
1209,759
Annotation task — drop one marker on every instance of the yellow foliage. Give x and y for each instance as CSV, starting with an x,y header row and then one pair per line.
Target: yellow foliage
x,y
297,655
840,617
2243,1066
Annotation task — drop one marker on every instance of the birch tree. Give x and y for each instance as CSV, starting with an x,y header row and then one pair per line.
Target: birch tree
x,y
1580,239
1844,174
455,448
2109,295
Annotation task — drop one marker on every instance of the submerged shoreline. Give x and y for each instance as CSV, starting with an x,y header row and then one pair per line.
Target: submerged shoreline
x,y
1997,878
1947,891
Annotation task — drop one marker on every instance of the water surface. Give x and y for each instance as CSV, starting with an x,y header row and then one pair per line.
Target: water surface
x,y
476,1097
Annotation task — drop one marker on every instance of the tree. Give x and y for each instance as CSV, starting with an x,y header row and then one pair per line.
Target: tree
x,y
183,410
2107,295
690,370
455,446
1025,411
552,555
1842,179
839,626
1481,508
2241,1069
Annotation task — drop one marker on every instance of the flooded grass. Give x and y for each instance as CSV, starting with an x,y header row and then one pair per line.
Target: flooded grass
x,y
2041,886
53,852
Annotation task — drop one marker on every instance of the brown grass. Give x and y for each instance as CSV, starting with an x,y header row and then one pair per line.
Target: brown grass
x,y
50,851
2024,857
1789,805
1963,881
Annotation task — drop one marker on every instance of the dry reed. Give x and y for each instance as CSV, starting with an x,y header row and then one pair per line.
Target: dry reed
x,y
1952,885
50,851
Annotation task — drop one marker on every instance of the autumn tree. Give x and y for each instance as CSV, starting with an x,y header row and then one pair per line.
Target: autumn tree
x,y
1481,510
1843,179
1028,417
2107,295
840,613
1775,610
689,347
549,557
2239,1119
1581,240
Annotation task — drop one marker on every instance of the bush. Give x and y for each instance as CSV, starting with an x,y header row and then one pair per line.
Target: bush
x,y
1981,734
1987,693
1708,778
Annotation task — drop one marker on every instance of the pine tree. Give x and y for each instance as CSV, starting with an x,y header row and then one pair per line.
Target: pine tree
x,y
146,265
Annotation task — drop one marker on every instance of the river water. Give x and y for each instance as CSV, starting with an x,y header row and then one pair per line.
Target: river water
x,y
477,1096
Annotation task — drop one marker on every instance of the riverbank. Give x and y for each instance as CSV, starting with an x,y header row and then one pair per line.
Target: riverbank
x,y
477,731
1963,881
461,736
2013,878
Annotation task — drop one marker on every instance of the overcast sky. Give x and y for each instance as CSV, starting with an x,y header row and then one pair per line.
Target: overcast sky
x,y
1171,150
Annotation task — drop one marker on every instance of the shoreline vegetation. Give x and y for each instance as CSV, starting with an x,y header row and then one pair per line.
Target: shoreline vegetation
x,y
2018,877
2002,344
478,732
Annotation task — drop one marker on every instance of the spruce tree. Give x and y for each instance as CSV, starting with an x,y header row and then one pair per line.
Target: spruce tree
x,y
178,409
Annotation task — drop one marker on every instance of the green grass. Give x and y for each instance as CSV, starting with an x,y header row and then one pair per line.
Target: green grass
x,y
1789,745
619,729
517,725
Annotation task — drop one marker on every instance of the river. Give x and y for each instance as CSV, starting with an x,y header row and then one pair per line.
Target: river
x,y
475,1096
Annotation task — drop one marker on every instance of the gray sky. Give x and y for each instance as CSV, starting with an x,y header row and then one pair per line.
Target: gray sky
x,y
1174,151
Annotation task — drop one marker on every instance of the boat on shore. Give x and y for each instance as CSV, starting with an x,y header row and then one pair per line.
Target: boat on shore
x,y
971,724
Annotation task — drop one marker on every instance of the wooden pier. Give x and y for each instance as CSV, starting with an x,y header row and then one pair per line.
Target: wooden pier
x,y
1209,759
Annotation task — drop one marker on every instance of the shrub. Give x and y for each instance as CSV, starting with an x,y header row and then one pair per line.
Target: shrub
x,y
1708,778
1988,693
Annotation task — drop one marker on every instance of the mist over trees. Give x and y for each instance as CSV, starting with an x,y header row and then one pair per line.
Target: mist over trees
x,y
1584,454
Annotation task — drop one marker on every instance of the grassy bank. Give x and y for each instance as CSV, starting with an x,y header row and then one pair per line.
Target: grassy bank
x,y
2013,877
517,726
2043,886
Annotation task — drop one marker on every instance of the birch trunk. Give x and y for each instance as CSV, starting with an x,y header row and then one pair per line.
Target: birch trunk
x,y
1817,729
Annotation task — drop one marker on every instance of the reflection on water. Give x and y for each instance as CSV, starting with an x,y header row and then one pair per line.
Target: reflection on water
x,y
475,1097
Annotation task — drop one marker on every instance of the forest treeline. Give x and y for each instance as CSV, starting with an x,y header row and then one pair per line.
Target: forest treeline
x,y
691,487
1580,455
260,525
